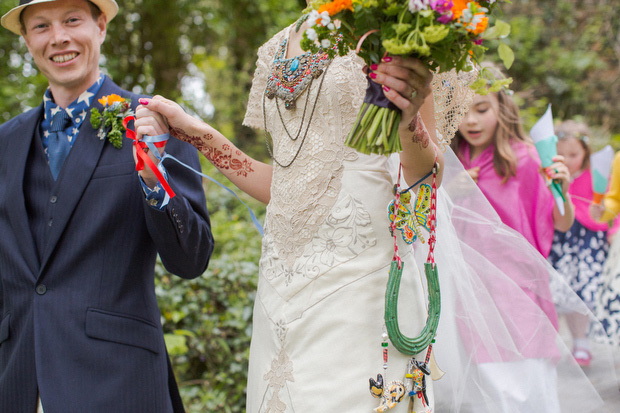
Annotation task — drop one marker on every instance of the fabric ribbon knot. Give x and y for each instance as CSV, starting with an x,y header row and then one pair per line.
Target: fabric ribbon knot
x,y
152,143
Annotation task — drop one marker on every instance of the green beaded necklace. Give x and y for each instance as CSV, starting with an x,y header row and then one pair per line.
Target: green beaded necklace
x,y
407,345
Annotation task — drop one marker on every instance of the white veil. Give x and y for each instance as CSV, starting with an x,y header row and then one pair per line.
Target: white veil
x,y
500,351
490,282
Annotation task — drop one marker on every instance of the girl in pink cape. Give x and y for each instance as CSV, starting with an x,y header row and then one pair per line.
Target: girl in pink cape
x,y
502,160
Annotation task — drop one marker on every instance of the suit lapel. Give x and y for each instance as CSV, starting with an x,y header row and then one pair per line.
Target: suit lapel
x,y
77,171
19,147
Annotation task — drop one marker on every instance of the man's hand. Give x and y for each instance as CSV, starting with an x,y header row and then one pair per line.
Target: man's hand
x,y
149,123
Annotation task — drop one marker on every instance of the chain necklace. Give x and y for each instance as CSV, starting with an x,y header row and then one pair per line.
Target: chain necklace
x,y
289,79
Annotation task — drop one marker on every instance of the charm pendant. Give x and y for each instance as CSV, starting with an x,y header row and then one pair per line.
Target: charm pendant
x,y
410,219
391,395
415,382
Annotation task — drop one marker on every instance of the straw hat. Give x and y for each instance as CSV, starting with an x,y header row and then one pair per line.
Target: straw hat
x,y
11,20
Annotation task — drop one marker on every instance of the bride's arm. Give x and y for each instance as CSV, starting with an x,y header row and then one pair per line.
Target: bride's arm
x,y
400,77
249,175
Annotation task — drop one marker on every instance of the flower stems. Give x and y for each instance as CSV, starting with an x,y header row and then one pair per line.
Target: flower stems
x,y
375,130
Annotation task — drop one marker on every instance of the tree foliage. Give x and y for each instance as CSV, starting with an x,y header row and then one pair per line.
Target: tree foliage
x,y
568,54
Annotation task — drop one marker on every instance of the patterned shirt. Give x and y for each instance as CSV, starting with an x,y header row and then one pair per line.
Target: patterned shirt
x,y
78,111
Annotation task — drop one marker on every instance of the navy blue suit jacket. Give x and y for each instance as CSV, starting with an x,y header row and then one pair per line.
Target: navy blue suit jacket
x,y
79,321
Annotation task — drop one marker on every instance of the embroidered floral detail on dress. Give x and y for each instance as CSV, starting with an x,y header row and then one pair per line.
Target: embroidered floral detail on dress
x,y
281,330
281,372
346,233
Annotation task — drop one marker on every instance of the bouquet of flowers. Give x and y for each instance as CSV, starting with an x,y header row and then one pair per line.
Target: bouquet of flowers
x,y
444,34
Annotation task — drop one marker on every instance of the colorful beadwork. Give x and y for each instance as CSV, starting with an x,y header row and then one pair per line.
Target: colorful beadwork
x,y
409,219
291,77
415,381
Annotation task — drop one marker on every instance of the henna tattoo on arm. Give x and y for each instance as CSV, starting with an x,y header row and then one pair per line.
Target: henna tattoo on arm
x,y
420,134
197,141
221,159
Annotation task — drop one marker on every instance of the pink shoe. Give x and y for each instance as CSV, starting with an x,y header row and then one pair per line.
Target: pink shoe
x,y
582,356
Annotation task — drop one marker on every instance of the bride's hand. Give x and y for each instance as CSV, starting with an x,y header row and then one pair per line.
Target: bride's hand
x,y
406,83
159,111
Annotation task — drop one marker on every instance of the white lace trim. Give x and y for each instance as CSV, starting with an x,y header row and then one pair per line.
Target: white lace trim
x,y
346,233
307,190
453,97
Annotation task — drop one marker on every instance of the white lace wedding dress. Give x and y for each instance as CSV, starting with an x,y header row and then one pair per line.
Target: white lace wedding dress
x,y
318,317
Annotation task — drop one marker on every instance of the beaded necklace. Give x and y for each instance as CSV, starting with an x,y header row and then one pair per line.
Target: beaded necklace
x,y
289,79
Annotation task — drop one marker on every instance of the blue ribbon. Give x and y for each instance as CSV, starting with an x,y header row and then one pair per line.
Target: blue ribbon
x,y
151,140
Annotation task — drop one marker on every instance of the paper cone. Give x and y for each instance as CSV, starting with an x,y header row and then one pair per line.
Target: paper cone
x,y
544,138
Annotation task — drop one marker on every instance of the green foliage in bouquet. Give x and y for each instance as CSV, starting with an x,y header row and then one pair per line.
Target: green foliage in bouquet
x,y
444,34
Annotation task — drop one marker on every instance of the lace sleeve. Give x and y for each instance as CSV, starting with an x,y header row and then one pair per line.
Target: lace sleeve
x,y
254,112
453,96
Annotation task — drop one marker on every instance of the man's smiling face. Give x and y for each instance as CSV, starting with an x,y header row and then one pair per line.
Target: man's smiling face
x,y
65,39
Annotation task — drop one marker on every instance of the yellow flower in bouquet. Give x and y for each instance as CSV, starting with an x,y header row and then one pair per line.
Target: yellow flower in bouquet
x,y
445,34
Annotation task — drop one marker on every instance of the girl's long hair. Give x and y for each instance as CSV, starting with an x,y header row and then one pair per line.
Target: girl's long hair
x,y
509,129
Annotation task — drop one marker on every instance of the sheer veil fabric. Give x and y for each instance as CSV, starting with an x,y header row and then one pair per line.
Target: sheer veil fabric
x,y
500,351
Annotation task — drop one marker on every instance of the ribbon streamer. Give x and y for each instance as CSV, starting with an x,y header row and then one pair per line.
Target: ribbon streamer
x,y
154,142
143,157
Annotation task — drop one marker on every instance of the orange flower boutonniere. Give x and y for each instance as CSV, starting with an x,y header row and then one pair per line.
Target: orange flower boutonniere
x,y
109,122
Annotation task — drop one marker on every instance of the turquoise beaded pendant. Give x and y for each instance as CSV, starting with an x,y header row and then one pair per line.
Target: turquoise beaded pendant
x,y
291,77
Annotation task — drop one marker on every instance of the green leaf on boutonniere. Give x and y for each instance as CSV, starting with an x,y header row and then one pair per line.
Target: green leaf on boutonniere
x,y
109,123
95,118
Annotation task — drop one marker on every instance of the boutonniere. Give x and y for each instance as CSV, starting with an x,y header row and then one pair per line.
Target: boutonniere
x,y
109,122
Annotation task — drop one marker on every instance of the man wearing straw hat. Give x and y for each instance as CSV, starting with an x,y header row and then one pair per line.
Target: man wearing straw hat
x,y
80,328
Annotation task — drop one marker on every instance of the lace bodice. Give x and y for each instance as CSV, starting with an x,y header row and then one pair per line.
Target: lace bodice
x,y
304,193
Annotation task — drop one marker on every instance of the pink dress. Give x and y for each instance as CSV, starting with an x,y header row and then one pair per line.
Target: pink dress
x,y
525,204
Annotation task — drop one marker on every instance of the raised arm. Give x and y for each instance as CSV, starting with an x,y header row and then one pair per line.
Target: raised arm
x,y
407,83
249,175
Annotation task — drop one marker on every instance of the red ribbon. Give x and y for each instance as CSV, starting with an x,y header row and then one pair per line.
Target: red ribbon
x,y
143,157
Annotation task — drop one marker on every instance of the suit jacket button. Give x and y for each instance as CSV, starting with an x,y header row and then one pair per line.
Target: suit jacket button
x,y
41,289
53,199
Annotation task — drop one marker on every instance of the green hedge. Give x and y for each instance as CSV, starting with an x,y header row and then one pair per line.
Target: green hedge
x,y
207,321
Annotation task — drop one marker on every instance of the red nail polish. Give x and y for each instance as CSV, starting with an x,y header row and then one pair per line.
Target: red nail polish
x,y
373,75
374,66
387,59
143,101
387,89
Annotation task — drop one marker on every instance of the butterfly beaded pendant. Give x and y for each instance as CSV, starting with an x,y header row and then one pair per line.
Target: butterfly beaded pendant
x,y
410,219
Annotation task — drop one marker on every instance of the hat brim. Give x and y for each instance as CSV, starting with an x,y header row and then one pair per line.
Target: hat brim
x,y
11,19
